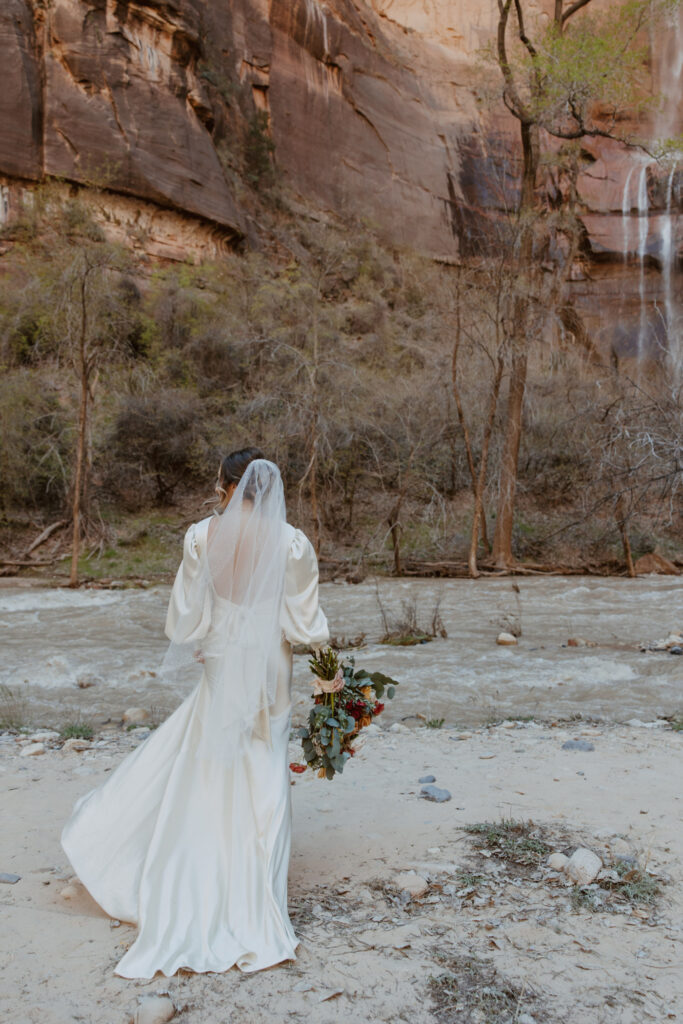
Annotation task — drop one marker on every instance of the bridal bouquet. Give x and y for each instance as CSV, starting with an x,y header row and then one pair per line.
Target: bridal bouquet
x,y
345,700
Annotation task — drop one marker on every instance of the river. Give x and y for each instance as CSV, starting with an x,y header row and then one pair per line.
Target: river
x,y
93,653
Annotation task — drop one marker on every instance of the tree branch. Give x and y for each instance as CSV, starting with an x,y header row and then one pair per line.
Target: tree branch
x,y
511,97
571,11
522,31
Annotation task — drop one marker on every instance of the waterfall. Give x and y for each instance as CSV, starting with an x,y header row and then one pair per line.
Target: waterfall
x,y
669,257
643,228
626,215
667,126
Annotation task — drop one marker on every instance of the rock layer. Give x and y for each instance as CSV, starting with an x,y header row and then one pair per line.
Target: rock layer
x,y
372,108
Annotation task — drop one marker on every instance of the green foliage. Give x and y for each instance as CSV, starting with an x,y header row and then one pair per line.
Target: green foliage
x,y
258,152
598,58
76,730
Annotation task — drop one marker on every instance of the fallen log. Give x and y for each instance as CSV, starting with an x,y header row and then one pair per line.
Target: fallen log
x,y
12,561
42,537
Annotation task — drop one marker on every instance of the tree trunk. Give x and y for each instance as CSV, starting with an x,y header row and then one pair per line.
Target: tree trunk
x,y
502,541
78,481
479,514
625,540
395,530
82,429
477,495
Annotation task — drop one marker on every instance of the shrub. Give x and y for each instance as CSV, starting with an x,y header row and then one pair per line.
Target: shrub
x,y
158,442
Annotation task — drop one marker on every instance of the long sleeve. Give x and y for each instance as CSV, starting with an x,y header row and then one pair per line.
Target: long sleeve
x,y
189,609
302,619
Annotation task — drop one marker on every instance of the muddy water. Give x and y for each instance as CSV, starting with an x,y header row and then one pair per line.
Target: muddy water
x,y
94,653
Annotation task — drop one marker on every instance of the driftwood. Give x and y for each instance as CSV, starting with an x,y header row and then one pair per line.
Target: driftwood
x,y
27,562
42,537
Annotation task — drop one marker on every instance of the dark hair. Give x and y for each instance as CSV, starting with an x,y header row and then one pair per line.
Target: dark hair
x,y
234,465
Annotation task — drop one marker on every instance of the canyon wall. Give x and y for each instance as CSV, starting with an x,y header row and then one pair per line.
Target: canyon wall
x,y
373,108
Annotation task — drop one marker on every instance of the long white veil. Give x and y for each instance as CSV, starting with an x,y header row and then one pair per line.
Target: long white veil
x,y
239,587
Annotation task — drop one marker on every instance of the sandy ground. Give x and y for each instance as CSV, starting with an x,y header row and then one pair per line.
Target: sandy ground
x,y
368,953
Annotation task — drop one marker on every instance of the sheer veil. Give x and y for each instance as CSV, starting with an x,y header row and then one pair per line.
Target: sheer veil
x,y
239,588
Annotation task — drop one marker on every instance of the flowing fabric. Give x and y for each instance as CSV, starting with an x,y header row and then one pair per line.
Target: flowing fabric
x,y
189,838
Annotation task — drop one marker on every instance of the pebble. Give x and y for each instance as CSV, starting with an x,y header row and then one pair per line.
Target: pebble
x,y
412,883
462,736
676,649
583,866
576,641
397,727
8,878
486,756
427,778
76,744
506,640
557,861
577,745
154,1010
135,716
438,796
32,750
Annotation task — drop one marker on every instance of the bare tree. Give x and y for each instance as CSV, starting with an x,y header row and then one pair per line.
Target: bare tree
x,y
573,79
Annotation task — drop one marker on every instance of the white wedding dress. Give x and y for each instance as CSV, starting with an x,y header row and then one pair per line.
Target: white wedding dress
x,y
192,846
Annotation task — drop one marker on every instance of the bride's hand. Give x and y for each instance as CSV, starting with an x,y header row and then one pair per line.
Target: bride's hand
x,y
198,656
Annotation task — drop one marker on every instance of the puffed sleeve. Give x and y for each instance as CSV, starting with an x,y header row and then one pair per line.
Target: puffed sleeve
x,y
302,620
189,609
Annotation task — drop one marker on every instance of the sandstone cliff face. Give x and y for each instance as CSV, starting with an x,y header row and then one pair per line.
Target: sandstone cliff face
x,y
106,91
371,106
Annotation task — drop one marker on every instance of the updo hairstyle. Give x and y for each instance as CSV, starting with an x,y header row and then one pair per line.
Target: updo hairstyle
x,y
233,467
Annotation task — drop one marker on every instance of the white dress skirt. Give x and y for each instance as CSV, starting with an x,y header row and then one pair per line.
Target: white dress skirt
x,y
194,850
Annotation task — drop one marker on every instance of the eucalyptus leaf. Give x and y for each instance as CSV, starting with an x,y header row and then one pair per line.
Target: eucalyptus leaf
x,y
385,680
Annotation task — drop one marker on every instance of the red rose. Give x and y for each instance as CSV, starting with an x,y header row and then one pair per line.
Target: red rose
x,y
379,708
298,768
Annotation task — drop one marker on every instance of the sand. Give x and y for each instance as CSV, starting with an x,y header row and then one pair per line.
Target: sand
x,y
502,948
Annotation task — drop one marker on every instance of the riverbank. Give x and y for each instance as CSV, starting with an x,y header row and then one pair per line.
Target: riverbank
x,y
479,934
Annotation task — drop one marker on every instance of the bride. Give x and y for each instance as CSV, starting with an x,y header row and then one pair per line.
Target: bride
x,y
190,837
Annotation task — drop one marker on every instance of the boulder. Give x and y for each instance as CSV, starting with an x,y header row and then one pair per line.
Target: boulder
x,y
154,1010
557,861
32,749
76,745
506,640
45,736
583,866
135,716
412,883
